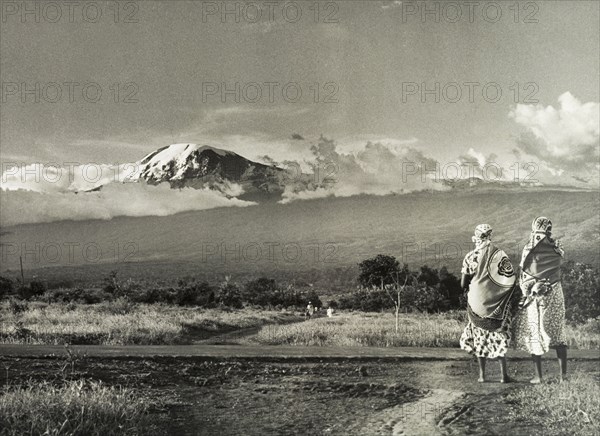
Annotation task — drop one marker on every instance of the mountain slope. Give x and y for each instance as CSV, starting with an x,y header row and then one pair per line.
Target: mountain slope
x,y
312,237
196,166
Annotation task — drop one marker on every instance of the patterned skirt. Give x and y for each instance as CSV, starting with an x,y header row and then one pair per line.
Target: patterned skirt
x,y
541,325
485,343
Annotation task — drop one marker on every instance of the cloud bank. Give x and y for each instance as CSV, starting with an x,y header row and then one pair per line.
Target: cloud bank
x,y
376,169
113,200
566,138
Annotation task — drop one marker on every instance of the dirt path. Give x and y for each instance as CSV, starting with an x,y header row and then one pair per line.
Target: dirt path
x,y
231,390
266,352
417,418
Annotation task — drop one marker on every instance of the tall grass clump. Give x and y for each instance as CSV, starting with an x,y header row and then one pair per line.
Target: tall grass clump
x,y
74,408
367,329
566,408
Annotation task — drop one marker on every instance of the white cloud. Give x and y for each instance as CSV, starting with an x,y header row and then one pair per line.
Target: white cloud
x,y
50,177
564,138
113,200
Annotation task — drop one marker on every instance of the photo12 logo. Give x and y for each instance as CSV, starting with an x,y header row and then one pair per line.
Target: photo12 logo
x,y
251,12
471,92
69,12
270,92
269,251
66,172
69,92
67,253
469,11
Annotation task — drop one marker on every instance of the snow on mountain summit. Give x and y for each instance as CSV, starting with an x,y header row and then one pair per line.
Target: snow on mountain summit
x,y
203,166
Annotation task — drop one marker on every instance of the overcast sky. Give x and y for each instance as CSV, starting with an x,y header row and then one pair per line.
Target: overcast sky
x,y
362,63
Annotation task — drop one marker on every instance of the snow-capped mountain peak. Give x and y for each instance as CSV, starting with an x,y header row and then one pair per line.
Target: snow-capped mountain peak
x,y
203,166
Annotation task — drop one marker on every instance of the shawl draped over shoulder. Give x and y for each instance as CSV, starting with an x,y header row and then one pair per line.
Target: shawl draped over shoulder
x,y
491,287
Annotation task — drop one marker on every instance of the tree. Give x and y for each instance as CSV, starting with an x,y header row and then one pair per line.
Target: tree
x,y
450,286
429,276
396,290
379,271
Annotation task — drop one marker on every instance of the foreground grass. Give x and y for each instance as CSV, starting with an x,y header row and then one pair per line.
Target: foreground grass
x,y
74,408
560,409
123,324
378,330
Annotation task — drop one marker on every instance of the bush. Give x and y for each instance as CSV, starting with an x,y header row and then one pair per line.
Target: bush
x,y
194,294
78,295
229,295
35,289
367,300
154,295
581,286
6,286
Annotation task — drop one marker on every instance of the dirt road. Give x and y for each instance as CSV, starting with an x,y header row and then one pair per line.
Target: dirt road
x,y
256,390
265,352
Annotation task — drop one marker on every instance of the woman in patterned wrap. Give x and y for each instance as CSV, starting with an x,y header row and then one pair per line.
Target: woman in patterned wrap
x,y
489,276
539,325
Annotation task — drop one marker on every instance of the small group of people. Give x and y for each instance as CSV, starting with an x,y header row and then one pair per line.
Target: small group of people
x,y
310,310
526,314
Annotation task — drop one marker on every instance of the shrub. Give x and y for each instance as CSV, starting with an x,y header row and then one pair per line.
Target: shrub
x,y
35,289
581,285
262,292
154,295
367,300
17,307
78,295
194,294
229,295
6,286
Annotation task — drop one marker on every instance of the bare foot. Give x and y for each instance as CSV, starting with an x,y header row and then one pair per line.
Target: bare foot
x,y
507,379
481,380
535,381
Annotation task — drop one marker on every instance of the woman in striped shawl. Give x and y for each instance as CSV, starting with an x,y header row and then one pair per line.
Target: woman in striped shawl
x,y
540,324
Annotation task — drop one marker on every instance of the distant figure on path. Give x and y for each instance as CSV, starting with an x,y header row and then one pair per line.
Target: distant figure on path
x,y
310,310
330,312
489,276
540,325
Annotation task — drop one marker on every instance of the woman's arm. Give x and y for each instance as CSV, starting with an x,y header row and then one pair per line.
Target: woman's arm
x,y
465,280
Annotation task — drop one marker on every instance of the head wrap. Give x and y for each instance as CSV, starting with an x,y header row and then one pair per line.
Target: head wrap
x,y
483,232
546,263
542,225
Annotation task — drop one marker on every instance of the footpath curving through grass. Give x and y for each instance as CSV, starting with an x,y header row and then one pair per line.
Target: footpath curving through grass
x,y
123,323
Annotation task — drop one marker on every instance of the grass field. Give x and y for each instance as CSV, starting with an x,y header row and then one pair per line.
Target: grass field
x,y
125,323
122,323
378,330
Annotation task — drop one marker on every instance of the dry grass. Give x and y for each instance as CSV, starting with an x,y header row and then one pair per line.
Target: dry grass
x,y
367,329
378,330
74,408
122,323
561,409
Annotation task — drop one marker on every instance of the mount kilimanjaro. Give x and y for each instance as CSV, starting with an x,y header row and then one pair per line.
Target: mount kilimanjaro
x,y
202,166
